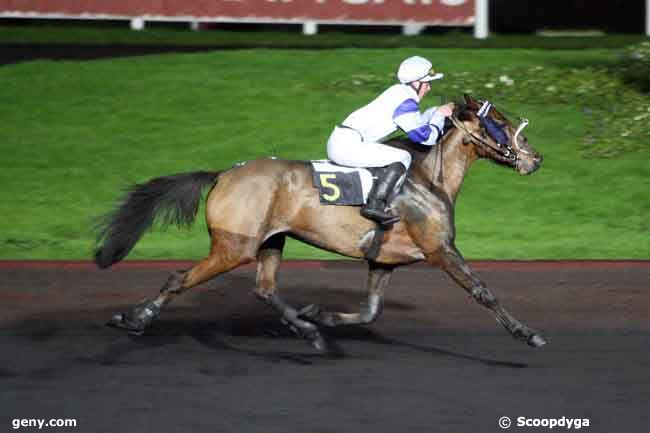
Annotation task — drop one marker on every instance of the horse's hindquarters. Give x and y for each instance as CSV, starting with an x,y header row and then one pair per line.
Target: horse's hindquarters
x,y
243,201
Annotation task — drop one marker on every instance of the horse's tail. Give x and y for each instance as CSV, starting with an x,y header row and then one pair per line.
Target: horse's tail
x,y
173,199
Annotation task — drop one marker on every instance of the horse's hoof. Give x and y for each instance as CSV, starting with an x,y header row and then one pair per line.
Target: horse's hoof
x,y
117,321
536,340
319,343
121,322
310,312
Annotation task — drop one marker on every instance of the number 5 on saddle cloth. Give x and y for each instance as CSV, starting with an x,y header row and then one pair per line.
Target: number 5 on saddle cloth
x,y
339,185
349,186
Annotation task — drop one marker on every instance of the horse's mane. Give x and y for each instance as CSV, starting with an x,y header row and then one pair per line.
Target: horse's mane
x,y
462,109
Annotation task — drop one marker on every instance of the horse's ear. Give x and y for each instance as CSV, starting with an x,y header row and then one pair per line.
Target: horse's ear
x,y
470,101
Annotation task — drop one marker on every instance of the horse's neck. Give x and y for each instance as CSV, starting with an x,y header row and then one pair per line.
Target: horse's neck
x,y
456,161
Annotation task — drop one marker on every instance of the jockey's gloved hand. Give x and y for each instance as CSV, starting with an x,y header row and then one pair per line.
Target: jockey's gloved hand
x,y
437,119
493,129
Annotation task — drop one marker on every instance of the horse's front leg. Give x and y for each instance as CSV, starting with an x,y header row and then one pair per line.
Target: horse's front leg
x,y
378,279
454,264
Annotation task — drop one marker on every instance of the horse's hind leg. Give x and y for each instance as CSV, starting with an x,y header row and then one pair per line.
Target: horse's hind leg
x,y
378,280
228,251
268,262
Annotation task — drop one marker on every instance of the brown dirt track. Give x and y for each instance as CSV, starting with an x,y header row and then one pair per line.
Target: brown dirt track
x,y
220,361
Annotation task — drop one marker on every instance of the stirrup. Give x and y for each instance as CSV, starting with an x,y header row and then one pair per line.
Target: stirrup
x,y
383,218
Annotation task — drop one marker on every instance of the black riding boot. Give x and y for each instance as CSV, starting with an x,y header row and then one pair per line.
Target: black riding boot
x,y
375,209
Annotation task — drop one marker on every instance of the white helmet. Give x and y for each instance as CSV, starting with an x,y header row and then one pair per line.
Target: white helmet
x,y
416,68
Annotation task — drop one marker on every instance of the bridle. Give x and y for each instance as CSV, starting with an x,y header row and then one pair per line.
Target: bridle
x,y
507,152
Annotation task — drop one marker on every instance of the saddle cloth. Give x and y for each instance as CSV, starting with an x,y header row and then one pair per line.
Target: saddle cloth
x,y
340,185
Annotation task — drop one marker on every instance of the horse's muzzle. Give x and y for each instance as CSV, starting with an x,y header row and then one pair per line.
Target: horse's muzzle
x,y
527,166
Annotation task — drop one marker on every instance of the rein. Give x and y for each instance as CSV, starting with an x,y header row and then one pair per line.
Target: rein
x,y
437,165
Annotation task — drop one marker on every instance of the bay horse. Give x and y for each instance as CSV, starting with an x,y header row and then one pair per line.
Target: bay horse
x,y
252,207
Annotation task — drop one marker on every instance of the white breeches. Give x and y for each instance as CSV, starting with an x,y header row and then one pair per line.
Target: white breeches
x,y
345,147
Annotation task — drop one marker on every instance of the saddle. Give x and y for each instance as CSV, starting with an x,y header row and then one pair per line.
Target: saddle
x,y
340,185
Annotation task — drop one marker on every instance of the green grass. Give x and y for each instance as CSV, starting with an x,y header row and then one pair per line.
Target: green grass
x,y
102,34
74,133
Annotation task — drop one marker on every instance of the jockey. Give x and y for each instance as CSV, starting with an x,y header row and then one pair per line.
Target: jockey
x,y
356,141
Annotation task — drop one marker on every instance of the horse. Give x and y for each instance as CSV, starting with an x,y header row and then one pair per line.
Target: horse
x,y
252,207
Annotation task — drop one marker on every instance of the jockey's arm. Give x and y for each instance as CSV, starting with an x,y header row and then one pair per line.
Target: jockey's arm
x,y
424,128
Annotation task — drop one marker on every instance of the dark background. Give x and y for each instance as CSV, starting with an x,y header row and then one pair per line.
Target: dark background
x,y
616,16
